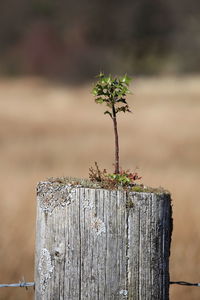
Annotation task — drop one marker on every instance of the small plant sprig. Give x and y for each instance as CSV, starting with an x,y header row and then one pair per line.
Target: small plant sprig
x,y
113,91
107,180
125,177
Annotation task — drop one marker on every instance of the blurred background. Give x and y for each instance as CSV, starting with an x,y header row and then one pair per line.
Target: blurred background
x,y
71,40
50,52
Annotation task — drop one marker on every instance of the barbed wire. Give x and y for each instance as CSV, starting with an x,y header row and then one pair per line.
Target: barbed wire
x,y
22,284
26,285
185,283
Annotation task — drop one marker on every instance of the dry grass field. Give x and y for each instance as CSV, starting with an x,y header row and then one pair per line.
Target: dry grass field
x,y
49,130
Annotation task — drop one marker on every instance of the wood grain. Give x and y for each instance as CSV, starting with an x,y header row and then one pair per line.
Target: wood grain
x,y
101,244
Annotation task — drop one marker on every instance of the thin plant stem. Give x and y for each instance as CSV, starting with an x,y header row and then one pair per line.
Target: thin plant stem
x,y
114,118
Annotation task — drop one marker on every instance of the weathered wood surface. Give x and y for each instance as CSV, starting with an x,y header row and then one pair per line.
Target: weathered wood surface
x,y
101,244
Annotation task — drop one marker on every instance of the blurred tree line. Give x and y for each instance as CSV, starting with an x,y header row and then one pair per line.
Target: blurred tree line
x,y
75,39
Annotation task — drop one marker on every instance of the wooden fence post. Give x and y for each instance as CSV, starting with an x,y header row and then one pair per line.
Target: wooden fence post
x,y
101,244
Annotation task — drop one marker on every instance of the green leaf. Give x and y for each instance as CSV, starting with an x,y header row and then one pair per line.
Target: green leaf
x,y
123,109
108,80
99,100
100,75
95,91
125,89
108,112
124,179
112,176
105,80
121,100
125,79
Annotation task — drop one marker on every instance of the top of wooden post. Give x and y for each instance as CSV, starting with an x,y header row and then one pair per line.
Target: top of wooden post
x,y
86,183
99,243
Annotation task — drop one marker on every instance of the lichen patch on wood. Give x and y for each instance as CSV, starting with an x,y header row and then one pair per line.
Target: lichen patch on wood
x,y
52,195
98,226
45,269
88,203
123,293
